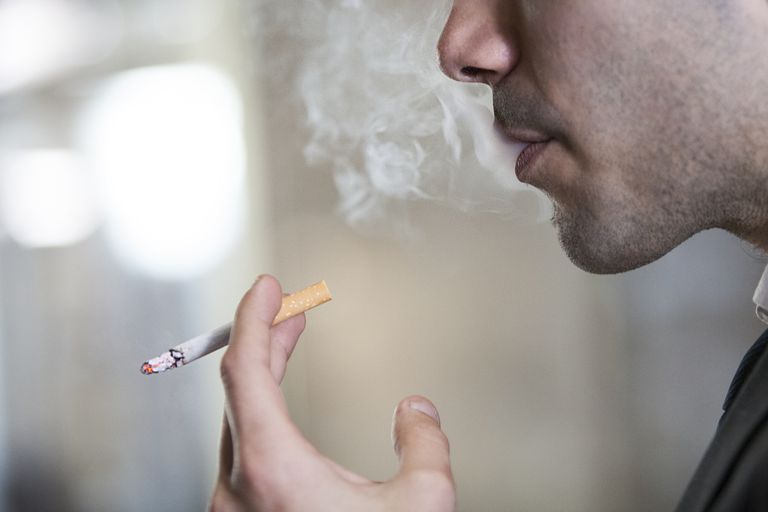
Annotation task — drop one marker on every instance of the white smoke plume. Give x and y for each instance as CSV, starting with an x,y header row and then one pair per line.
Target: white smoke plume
x,y
394,128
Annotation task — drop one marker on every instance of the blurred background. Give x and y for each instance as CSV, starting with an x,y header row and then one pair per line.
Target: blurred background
x,y
154,160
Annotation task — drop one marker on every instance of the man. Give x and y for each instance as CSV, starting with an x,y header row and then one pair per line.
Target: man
x,y
645,123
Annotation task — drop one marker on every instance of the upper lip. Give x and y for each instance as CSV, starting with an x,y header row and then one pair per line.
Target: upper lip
x,y
521,136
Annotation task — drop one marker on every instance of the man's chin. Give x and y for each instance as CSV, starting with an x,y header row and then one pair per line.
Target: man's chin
x,y
600,249
596,263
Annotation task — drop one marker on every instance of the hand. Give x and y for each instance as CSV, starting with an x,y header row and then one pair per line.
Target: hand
x,y
267,465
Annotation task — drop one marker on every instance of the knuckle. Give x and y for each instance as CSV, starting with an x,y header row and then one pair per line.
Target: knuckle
x,y
426,434
227,366
237,356
420,434
439,438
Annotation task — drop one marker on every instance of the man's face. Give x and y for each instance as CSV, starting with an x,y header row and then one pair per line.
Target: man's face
x,y
639,107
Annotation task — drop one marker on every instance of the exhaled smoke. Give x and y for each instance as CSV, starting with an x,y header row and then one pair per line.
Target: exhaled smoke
x,y
381,112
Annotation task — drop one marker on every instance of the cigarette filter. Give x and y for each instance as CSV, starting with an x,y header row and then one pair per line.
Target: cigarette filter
x,y
202,345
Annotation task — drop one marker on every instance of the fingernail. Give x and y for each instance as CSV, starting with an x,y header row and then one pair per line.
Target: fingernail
x,y
426,408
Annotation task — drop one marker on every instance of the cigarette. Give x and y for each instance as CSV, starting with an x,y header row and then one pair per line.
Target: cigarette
x,y
202,345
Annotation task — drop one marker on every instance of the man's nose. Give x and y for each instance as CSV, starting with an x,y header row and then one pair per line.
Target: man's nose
x,y
474,45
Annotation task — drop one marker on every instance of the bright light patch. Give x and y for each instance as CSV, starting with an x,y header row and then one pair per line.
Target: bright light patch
x,y
46,198
40,38
168,145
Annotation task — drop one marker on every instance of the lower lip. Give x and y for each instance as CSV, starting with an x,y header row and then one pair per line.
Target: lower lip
x,y
527,158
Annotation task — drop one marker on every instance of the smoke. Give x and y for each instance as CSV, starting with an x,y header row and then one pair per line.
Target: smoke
x,y
380,112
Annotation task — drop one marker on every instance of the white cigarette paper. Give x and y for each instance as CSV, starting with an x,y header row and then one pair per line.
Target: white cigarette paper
x,y
200,346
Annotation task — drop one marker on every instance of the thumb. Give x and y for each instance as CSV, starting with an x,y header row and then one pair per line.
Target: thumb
x,y
249,340
253,395
420,444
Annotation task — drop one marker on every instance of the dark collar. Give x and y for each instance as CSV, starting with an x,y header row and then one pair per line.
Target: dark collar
x,y
745,369
746,408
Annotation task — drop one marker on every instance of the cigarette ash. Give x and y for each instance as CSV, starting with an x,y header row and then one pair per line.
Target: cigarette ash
x,y
381,113
172,359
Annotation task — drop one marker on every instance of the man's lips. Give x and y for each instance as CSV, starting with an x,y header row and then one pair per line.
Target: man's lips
x,y
526,159
531,143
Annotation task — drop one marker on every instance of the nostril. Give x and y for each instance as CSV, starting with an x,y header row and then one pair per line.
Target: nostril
x,y
471,72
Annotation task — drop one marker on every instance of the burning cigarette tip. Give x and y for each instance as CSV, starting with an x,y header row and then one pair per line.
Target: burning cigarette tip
x,y
165,361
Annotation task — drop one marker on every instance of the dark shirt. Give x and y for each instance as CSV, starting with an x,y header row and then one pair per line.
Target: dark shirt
x,y
733,474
